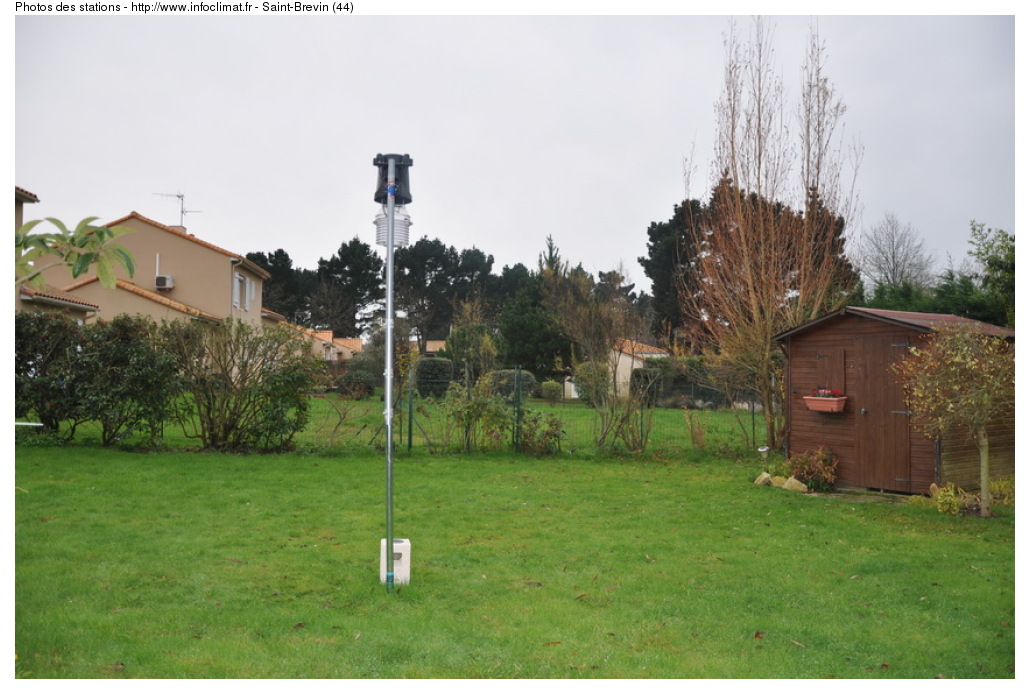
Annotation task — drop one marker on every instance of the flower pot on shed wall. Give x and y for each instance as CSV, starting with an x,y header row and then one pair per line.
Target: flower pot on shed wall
x,y
825,404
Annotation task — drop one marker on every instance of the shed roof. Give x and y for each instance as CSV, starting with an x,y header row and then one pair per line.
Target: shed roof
x,y
923,322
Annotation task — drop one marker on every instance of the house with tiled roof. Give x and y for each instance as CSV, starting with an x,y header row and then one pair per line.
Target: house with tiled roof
x,y
177,276
628,355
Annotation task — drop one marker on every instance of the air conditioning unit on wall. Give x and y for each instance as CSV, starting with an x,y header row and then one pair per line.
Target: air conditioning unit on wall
x,y
164,282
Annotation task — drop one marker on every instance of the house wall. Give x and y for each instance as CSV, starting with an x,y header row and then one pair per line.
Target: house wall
x,y
205,277
114,302
623,365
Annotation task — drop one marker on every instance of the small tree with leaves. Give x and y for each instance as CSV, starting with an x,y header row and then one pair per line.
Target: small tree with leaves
x,y
78,249
961,378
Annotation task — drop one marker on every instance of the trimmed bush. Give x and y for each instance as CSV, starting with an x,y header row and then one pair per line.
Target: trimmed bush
x,y
502,383
131,381
552,391
433,377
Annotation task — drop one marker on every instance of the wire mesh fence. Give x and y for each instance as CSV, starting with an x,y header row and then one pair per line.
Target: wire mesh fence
x,y
508,413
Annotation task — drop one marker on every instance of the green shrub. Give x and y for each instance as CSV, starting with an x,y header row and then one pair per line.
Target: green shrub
x,y
1003,492
952,499
130,382
46,381
359,379
539,433
593,382
817,469
433,377
112,372
483,418
552,391
247,387
502,382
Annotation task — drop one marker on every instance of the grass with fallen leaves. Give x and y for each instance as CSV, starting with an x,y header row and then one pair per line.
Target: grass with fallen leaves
x,y
177,564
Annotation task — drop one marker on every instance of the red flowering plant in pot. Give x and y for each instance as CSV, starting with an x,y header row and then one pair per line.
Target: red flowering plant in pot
x,y
826,400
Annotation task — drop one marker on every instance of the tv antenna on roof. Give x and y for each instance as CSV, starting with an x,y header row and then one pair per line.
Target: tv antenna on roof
x,y
182,206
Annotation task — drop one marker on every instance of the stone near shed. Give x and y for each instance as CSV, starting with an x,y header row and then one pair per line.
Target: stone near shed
x,y
765,479
778,481
795,485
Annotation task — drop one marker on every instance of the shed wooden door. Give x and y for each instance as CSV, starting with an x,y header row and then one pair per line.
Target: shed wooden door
x,y
881,417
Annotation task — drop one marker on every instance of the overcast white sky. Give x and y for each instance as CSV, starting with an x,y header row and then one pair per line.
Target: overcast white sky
x,y
521,127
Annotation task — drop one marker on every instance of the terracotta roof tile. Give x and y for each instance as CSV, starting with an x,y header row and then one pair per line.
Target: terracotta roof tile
x,y
57,295
639,349
24,195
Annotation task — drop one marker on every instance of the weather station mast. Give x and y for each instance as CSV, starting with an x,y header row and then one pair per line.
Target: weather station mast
x,y
393,192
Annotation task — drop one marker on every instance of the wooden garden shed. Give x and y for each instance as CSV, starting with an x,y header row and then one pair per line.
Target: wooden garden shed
x,y
851,350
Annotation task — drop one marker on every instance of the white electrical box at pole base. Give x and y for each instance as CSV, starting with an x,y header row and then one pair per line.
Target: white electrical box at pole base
x,y
401,561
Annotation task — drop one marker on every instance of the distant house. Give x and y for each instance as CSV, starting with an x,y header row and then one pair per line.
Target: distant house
x,y
331,349
852,351
323,345
177,275
434,347
628,355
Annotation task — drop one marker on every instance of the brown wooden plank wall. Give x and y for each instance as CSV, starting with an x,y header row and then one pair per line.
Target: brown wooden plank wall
x,y
960,458
809,430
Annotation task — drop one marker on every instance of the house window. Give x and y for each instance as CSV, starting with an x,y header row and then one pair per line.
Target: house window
x,y
242,291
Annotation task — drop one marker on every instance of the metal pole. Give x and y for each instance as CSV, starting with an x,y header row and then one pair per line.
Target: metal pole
x,y
391,188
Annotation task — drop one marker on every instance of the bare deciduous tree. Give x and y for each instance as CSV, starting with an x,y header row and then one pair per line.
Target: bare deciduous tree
x,y
891,253
769,247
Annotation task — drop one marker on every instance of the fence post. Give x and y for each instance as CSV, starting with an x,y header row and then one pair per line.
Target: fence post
x,y
468,423
411,403
518,409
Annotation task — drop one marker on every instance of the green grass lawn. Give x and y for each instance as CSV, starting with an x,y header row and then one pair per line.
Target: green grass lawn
x,y
179,564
